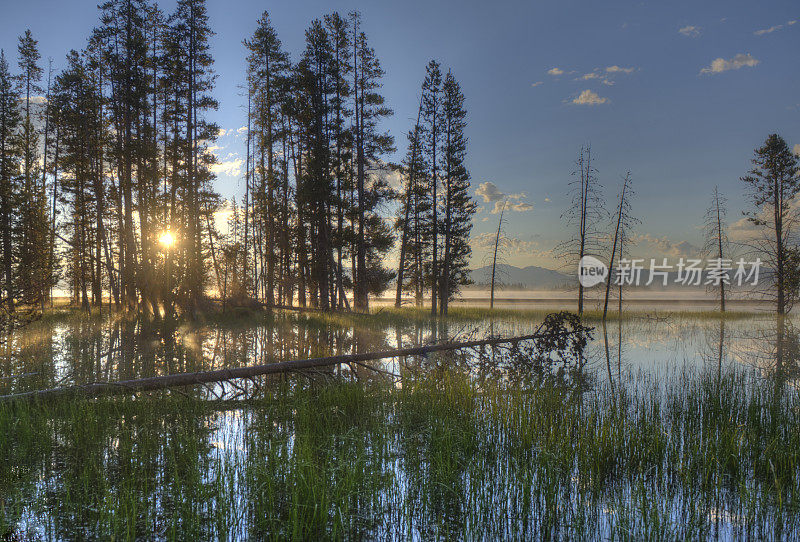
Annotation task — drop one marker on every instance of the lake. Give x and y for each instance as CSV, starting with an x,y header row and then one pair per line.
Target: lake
x,y
678,425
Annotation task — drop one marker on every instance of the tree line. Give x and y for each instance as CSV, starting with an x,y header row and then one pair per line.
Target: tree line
x,y
772,237
107,183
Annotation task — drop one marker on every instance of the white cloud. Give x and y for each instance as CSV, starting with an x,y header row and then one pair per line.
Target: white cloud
x,y
378,169
221,216
619,69
720,65
520,207
489,192
589,97
537,83
512,202
483,240
772,29
750,235
769,30
231,168
492,194
690,31
498,207
222,132
742,231
486,241
555,71
393,178
242,130
605,75
667,247
796,149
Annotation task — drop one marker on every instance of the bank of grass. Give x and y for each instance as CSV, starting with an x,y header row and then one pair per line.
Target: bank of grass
x,y
215,313
436,458
509,313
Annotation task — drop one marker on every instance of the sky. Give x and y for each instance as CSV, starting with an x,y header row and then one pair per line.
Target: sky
x,y
678,93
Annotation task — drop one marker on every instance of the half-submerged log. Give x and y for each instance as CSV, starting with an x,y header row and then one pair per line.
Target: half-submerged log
x,y
221,375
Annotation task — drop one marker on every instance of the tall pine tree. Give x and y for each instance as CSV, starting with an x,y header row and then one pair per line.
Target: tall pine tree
x,y
373,237
11,151
432,121
458,205
34,271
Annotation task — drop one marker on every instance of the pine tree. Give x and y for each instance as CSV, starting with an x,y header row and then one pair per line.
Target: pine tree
x,y
174,72
52,155
373,238
315,187
773,184
268,67
191,28
342,139
33,254
150,169
409,271
123,41
79,118
459,207
498,239
11,154
431,115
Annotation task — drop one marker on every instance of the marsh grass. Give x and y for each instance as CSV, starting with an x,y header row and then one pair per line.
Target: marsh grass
x,y
437,457
379,318
382,317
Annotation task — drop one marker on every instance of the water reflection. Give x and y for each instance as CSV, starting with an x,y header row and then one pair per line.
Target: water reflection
x,y
84,350
319,461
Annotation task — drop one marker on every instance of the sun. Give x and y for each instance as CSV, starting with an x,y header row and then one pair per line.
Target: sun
x,y
166,239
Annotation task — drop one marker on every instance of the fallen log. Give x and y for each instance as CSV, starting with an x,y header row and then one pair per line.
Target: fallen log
x,y
207,377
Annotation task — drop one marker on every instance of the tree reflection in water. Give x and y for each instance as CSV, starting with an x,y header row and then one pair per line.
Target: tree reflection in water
x,y
497,443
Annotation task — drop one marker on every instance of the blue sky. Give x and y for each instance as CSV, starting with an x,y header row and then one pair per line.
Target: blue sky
x,y
679,93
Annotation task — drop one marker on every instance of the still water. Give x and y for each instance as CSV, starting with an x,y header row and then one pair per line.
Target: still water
x,y
78,350
677,430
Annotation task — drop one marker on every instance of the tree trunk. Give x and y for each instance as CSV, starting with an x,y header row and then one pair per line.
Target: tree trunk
x,y
494,257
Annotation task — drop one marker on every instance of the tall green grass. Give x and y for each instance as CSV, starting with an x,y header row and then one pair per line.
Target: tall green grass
x,y
437,456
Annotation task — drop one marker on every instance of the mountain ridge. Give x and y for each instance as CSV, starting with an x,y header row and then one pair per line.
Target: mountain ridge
x,y
529,277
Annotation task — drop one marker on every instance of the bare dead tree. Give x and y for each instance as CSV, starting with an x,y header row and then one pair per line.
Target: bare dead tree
x,y
585,214
623,221
496,247
625,241
716,238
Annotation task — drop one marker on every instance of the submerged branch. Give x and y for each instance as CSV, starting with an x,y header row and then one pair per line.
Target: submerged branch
x,y
223,375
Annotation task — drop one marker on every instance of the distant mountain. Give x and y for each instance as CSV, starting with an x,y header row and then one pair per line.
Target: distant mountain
x,y
531,277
